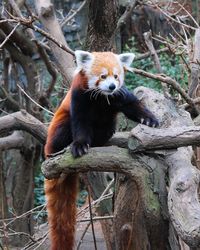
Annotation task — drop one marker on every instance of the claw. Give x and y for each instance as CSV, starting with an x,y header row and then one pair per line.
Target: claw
x,y
142,120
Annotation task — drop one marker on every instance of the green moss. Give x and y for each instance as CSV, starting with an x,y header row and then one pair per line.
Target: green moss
x,y
152,203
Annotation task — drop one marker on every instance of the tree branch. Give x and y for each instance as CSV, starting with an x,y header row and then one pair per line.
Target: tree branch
x,y
155,58
48,18
23,121
115,160
13,141
165,79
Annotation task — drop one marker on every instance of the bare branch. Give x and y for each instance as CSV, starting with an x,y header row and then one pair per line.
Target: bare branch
x,y
75,12
149,43
23,121
148,54
168,80
37,104
127,13
48,18
14,141
8,37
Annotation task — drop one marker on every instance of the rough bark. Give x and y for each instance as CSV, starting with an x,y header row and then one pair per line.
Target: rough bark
x,y
195,67
102,22
23,198
15,140
48,18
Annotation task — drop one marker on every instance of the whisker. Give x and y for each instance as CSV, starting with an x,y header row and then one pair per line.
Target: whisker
x,y
120,91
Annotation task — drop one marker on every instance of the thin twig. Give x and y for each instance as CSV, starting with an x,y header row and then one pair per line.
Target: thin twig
x,y
34,100
168,80
29,23
97,218
74,14
155,58
188,13
7,37
82,236
91,219
171,18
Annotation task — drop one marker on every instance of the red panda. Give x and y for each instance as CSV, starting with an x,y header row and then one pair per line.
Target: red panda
x,y
87,118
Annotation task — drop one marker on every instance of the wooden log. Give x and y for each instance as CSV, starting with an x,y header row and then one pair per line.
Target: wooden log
x,y
183,204
144,138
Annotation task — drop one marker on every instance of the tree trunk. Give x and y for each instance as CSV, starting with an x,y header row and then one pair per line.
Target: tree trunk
x,y
19,183
103,15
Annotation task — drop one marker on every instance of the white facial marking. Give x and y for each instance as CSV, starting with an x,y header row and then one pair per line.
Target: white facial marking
x,y
92,82
104,71
115,71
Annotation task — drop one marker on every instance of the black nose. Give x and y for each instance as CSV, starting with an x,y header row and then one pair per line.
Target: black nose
x,y
112,86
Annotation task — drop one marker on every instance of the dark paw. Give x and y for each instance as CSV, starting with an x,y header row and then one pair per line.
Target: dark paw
x,y
79,148
151,122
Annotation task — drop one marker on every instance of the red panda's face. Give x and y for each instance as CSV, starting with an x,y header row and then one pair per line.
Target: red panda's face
x,y
104,70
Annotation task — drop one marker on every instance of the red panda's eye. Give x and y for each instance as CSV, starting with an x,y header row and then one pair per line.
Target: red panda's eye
x,y
115,76
103,77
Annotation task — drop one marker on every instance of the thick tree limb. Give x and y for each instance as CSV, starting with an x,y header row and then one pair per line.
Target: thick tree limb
x,y
23,121
13,141
145,138
64,60
115,160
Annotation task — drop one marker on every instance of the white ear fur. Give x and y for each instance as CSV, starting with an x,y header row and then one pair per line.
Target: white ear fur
x,y
84,59
126,59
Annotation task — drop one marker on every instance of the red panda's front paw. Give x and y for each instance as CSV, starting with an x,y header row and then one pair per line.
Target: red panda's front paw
x,y
79,148
151,122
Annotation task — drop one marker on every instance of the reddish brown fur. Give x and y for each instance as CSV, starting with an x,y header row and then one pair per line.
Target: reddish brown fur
x,y
61,193
106,60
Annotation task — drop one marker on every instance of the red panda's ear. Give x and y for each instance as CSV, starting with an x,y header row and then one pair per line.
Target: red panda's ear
x,y
84,59
126,59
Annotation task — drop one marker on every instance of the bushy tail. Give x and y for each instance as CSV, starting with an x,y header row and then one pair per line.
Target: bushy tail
x,y
61,206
